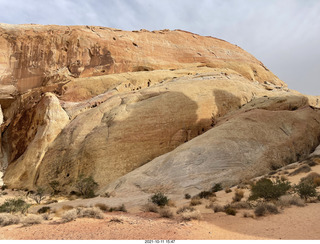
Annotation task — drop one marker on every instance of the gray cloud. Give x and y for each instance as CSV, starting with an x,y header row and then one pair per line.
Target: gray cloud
x,y
284,34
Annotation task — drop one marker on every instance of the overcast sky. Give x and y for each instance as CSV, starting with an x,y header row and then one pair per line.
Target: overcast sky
x,y
283,34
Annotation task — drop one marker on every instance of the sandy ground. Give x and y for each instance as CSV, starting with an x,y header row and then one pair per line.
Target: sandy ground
x,y
293,223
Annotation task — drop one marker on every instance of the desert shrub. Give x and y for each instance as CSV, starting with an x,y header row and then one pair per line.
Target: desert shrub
x,y
260,210
8,219
166,213
14,205
271,208
44,209
310,177
191,214
218,208
45,216
121,208
316,181
240,205
210,205
288,200
94,212
69,215
247,215
39,195
184,209
103,207
238,195
187,196
217,187
54,186
195,202
150,207
230,211
227,190
116,220
32,219
302,169
306,189
265,208
86,186
265,188
206,194
160,199
171,203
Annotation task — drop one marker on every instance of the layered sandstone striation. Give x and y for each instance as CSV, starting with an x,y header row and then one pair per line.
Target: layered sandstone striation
x,y
165,105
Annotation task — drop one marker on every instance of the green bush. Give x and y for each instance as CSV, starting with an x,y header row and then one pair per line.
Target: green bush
x,y
39,195
159,199
206,194
14,206
187,196
86,186
217,187
306,189
265,188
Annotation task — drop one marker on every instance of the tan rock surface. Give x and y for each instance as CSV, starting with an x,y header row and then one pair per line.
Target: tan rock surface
x,y
121,119
239,147
35,55
46,122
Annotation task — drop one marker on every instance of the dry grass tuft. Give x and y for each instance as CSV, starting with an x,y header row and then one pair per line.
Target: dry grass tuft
x,y
150,207
238,195
189,215
218,208
94,212
166,213
171,203
185,209
195,202
116,220
32,219
240,205
103,207
69,215
266,208
288,200
248,215
8,219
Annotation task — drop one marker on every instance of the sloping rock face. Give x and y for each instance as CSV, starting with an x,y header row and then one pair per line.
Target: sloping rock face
x,y
104,102
238,148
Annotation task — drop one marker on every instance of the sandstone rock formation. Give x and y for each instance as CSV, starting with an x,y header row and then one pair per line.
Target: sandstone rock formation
x,y
240,147
104,102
